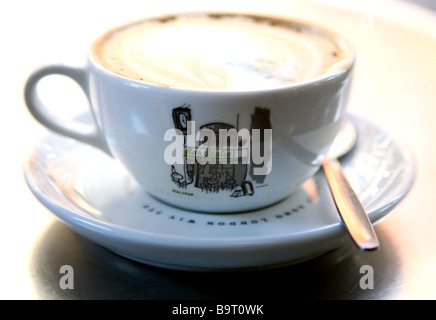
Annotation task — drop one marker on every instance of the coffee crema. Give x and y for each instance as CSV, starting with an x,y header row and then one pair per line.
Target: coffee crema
x,y
221,52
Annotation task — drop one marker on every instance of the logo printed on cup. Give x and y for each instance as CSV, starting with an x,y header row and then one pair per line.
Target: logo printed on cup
x,y
218,154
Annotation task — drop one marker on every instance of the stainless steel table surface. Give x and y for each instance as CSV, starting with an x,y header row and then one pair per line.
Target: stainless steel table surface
x,y
394,86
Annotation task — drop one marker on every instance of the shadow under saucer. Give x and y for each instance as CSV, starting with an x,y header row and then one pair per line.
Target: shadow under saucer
x,y
101,274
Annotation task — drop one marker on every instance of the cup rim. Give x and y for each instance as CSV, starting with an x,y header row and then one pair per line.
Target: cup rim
x,y
344,66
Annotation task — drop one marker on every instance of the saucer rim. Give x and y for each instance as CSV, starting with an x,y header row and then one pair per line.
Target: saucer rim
x,y
101,231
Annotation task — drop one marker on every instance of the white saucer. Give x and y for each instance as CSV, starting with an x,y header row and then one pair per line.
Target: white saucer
x,y
96,198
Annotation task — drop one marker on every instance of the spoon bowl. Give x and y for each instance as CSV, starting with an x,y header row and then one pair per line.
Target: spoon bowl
x,y
344,141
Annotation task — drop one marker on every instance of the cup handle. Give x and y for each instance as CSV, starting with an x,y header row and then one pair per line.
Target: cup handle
x,y
41,113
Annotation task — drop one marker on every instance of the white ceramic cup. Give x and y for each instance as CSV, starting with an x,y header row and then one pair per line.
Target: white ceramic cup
x,y
131,118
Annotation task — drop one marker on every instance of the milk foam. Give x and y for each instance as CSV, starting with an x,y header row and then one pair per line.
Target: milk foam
x,y
230,53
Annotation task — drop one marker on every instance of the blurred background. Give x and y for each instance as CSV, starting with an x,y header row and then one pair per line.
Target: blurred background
x,y
394,86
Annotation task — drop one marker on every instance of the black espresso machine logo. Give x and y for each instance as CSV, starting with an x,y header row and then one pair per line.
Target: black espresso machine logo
x,y
219,156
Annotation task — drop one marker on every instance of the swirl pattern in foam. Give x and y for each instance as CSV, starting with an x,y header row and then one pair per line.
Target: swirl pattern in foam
x,y
225,52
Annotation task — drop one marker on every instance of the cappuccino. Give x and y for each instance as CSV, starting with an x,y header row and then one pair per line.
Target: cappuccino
x,y
223,52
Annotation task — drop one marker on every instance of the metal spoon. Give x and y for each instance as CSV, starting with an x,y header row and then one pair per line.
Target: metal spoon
x,y
349,206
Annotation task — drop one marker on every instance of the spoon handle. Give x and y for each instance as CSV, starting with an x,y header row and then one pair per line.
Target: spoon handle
x,y
349,206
